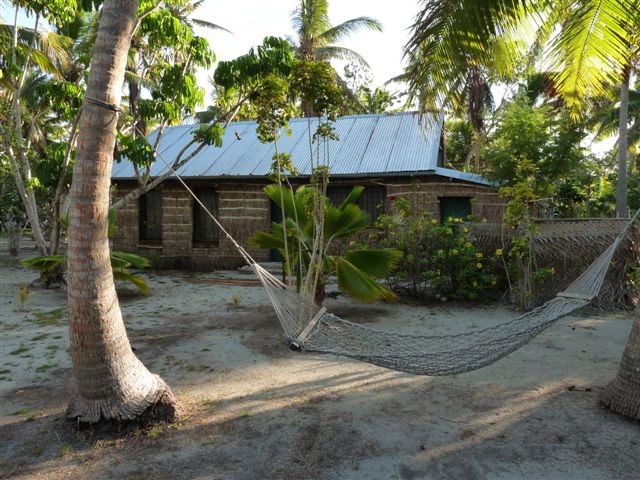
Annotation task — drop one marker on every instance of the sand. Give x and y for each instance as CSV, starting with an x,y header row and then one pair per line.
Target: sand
x,y
254,409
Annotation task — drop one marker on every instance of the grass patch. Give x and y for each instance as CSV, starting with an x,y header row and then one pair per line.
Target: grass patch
x,y
19,350
154,432
42,336
65,450
44,368
5,371
52,317
27,414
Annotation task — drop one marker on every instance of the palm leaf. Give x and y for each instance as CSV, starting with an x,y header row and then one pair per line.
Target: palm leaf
x,y
345,29
332,52
128,260
136,280
342,222
358,284
376,263
44,263
210,26
352,197
592,49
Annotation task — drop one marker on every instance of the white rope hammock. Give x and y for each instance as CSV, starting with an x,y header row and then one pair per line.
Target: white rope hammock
x,y
313,329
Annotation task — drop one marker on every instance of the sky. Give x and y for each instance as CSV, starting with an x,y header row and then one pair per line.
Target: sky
x,y
252,20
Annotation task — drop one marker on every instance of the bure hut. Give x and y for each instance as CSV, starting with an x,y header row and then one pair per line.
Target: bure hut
x,y
391,155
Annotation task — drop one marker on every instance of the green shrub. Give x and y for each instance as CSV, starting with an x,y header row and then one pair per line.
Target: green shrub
x,y
52,268
440,260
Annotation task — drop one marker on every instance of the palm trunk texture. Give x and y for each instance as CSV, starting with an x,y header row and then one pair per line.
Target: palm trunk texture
x,y
622,395
112,384
622,210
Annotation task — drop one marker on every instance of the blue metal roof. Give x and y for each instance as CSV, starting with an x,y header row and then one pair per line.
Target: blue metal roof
x,y
377,144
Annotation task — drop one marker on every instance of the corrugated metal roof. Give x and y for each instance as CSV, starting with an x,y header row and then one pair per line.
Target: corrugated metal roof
x,y
382,144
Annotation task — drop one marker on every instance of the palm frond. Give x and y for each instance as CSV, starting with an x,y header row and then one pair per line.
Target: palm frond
x,y
333,52
592,49
376,263
358,284
449,39
310,19
345,29
209,25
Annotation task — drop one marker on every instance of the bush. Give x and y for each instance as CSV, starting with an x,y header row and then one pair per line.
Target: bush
x,y
440,260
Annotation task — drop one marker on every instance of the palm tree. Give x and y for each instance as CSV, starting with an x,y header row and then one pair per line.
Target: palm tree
x,y
112,383
355,268
588,45
317,38
622,395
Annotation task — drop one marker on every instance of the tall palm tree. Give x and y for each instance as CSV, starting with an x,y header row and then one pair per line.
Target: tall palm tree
x,y
317,38
112,383
591,44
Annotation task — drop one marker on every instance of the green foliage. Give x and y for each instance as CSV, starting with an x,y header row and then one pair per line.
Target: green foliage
x,y
11,207
377,100
526,133
135,149
440,260
588,190
57,12
245,73
23,295
315,84
522,196
209,134
51,267
458,141
273,107
357,267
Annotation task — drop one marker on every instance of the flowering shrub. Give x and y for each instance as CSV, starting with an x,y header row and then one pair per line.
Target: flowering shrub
x,y
440,260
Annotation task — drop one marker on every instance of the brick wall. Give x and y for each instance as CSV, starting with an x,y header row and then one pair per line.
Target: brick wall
x,y
243,209
426,192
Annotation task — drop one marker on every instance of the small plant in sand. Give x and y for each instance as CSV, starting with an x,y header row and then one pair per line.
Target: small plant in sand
x,y
235,300
23,295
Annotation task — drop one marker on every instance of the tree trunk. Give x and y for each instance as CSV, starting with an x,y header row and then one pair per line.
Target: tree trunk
x,y
623,149
113,385
622,395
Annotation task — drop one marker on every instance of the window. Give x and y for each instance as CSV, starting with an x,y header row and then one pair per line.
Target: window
x,y
151,217
455,207
205,231
371,200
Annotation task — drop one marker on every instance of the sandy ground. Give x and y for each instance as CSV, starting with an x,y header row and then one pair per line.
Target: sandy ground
x,y
254,409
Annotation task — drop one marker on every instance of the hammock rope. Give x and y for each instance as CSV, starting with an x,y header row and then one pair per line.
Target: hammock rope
x,y
313,329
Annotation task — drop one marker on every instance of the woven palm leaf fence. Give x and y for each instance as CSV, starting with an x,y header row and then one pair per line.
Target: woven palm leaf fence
x,y
568,246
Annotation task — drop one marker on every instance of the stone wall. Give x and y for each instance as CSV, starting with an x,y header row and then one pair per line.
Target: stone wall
x,y
243,209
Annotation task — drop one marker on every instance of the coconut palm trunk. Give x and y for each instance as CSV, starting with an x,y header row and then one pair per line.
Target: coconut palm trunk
x,y
621,186
112,384
622,395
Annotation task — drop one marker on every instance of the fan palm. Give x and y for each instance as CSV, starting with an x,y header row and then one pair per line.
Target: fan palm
x,y
356,269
